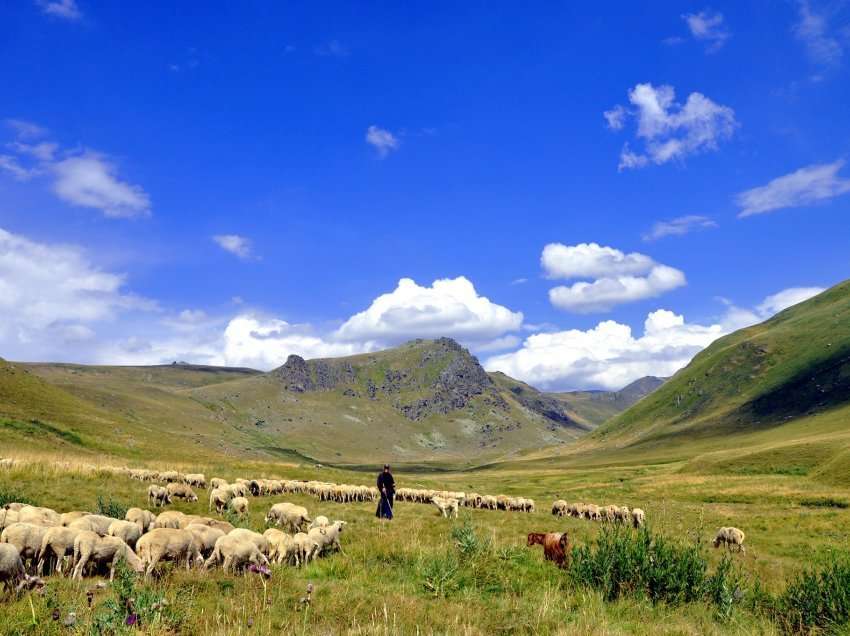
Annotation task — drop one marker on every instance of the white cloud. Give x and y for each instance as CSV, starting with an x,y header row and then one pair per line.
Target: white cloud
x,y
785,299
89,180
49,291
235,244
610,356
43,151
25,129
806,186
449,307
707,27
618,277
813,31
265,343
669,130
66,9
616,117
382,140
13,167
591,260
605,293
678,227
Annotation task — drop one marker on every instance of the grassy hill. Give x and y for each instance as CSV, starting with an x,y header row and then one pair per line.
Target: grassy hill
x,y
771,398
425,402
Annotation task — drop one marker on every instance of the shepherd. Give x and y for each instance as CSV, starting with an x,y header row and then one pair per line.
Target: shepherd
x,y
386,486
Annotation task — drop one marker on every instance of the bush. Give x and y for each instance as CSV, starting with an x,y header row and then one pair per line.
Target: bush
x,y
824,502
111,508
624,563
132,607
11,496
816,600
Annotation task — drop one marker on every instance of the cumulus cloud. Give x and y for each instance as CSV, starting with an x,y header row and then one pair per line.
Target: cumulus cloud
x,y
449,307
11,165
618,277
806,186
382,140
65,9
610,356
667,129
707,27
49,291
813,30
678,227
89,180
235,244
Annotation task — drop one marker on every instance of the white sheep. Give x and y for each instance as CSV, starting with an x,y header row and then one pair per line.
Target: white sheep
x,y
320,522
168,544
89,547
100,523
235,554
328,538
205,537
559,508
219,498
638,518
127,531
280,545
11,567
304,549
293,517
56,544
196,479
26,537
66,518
218,482
168,519
142,518
239,506
447,507
157,496
730,537
254,537
180,491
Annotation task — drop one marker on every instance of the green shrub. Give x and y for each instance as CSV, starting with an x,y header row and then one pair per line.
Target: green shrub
x,y
816,599
440,575
627,563
111,508
132,607
11,496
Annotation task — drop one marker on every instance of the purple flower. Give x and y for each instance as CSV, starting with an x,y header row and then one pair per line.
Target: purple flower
x,y
132,619
259,569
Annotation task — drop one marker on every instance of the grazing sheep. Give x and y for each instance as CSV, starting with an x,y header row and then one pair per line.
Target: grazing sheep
x,y
218,482
730,537
304,549
559,508
623,515
205,537
609,513
158,496
638,518
239,506
196,479
168,519
142,518
239,489
168,544
82,524
293,517
235,554
254,537
593,512
328,538
447,507
100,523
91,548
11,567
170,476
489,502
26,537
39,516
8,517
127,531
180,491
556,545
219,497
218,524
280,545
66,518
56,544
320,522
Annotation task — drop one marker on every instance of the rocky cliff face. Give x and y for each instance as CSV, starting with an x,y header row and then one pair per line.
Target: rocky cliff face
x,y
420,378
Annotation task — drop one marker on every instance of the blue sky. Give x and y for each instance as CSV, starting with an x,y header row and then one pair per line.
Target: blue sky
x,y
234,182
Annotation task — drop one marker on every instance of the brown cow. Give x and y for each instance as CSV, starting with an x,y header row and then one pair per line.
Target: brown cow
x,y
556,545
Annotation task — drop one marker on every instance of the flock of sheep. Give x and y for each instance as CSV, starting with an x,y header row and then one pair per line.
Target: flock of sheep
x,y
34,538
612,514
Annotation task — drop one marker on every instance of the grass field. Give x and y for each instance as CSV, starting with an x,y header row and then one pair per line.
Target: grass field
x,y
408,576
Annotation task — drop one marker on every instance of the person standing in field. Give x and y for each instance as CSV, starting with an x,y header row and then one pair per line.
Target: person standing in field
x,y
386,489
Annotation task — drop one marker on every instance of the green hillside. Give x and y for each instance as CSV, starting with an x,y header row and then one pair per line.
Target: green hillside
x,y
773,397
